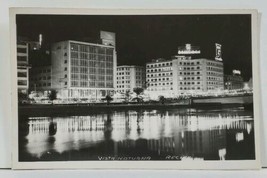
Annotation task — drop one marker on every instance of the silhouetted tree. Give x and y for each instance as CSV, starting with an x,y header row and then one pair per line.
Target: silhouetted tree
x,y
52,95
127,95
108,98
162,99
138,91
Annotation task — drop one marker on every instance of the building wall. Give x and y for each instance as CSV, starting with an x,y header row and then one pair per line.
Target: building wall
x,y
130,77
23,67
183,75
83,70
40,78
233,82
160,77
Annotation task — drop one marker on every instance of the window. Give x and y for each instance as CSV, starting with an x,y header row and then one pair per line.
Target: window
x,y
22,50
65,68
22,59
65,61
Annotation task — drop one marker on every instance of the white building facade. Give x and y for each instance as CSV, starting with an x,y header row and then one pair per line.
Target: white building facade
x,y
130,77
184,75
23,67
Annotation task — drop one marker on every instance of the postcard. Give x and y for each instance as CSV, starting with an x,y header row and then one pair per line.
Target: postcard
x,y
135,89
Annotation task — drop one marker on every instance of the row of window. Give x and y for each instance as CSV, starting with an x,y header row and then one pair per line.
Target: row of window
x,y
123,86
159,70
188,73
189,83
215,64
215,83
92,84
90,63
160,75
123,78
215,69
91,49
40,78
189,78
140,69
21,50
41,85
157,84
214,78
160,89
41,71
189,63
190,68
190,88
22,82
22,74
159,64
22,59
159,79
121,82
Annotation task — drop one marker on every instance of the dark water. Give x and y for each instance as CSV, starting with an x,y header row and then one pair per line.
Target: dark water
x,y
184,134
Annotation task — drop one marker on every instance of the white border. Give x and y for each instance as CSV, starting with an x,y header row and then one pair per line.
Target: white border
x,y
236,164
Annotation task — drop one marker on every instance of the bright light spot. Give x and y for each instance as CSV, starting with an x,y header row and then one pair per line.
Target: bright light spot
x,y
222,153
239,137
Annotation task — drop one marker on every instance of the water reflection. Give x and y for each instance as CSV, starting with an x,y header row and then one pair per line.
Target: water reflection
x,y
187,134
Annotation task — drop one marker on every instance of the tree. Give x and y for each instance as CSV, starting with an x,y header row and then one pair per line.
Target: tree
x,y
108,98
52,95
127,95
138,91
162,99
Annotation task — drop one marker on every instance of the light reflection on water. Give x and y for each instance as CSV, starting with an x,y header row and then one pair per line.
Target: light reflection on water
x,y
189,134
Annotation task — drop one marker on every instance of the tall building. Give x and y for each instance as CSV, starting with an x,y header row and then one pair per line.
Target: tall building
x,y
80,69
130,77
184,75
23,67
234,81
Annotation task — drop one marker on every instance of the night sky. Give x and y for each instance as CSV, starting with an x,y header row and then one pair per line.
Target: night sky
x,y
139,39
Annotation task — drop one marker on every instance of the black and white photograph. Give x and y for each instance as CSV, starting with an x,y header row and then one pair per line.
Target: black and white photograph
x,y
138,89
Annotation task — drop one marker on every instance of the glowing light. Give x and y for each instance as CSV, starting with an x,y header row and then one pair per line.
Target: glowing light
x,y
222,153
239,137
40,39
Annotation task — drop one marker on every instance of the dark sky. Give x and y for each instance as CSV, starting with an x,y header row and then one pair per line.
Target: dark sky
x,y
142,38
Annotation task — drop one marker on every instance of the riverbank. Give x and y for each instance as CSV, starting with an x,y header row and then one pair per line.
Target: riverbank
x,y
81,109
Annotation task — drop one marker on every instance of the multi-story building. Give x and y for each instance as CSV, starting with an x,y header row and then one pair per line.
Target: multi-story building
x,y
79,69
23,67
40,78
130,77
234,81
184,75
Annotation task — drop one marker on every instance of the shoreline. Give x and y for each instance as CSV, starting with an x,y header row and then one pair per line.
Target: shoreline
x,y
82,109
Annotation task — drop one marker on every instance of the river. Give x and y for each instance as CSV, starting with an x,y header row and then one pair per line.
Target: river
x,y
167,134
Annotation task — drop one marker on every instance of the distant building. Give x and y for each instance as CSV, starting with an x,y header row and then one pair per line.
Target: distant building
x,y
130,77
234,81
23,67
79,70
41,78
184,75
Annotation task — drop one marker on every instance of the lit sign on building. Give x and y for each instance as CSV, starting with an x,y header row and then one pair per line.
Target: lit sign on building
x,y
236,72
188,49
218,48
108,38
